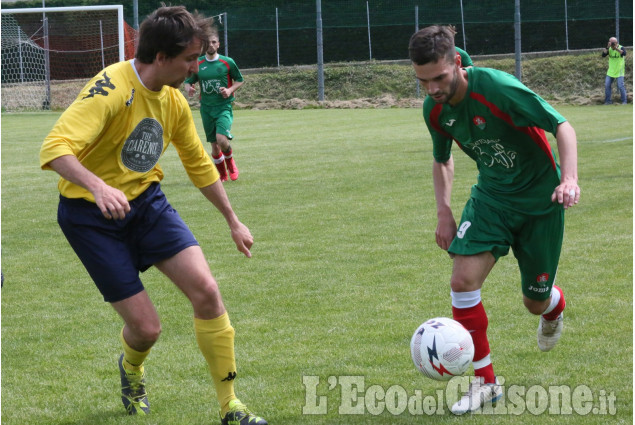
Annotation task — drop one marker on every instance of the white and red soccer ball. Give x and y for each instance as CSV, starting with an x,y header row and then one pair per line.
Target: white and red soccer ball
x,y
442,348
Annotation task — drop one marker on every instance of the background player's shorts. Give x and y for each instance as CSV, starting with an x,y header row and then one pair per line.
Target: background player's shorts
x,y
217,120
115,251
535,240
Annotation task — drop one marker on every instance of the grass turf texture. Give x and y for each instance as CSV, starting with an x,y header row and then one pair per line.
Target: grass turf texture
x,y
344,269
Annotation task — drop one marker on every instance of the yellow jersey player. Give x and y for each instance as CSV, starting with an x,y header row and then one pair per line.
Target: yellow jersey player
x,y
106,147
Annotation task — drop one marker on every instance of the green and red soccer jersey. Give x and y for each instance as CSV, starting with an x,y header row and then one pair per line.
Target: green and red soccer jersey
x,y
466,60
214,74
501,125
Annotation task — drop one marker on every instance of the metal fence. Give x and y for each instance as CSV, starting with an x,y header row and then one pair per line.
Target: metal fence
x,y
361,30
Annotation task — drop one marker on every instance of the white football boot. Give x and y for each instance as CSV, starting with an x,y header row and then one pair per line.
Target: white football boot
x,y
477,395
549,332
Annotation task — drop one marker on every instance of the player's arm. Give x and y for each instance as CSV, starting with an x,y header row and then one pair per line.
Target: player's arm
x,y
443,174
79,126
237,85
227,92
190,89
190,84
236,77
204,176
241,235
529,109
568,191
112,202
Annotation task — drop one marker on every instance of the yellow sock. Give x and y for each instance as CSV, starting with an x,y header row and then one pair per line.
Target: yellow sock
x,y
215,339
132,359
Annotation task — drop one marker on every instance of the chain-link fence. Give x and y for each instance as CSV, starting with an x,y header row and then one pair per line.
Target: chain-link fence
x,y
266,36
273,33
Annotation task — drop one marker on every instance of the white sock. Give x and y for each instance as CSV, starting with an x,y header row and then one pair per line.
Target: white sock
x,y
555,299
465,299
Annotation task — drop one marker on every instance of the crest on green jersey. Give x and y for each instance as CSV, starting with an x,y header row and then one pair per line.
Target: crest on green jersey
x,y
479,122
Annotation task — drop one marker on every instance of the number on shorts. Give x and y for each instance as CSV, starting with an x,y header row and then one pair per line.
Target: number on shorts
x,y
462,229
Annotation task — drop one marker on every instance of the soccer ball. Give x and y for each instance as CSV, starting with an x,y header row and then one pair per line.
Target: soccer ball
x,y
442,348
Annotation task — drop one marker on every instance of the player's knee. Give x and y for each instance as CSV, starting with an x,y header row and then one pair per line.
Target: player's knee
x,y
209,289
207,299
223,142
535,307
147,331
460,284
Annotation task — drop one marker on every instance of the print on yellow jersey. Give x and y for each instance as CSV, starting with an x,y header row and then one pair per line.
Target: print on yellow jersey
x,y
118,129
143,148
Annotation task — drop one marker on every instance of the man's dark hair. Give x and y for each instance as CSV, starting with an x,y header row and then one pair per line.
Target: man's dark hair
x,y
170,29
430,44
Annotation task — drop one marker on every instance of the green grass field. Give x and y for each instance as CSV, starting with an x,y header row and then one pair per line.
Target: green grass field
x,y
344,269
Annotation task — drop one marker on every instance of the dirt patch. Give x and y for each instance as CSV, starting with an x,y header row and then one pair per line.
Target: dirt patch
x,y
386,101
32,97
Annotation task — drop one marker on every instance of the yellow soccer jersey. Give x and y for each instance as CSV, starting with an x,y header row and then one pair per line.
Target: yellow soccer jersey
x,y
118,129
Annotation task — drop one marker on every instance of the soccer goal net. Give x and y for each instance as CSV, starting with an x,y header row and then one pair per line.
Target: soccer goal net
x,y
49,53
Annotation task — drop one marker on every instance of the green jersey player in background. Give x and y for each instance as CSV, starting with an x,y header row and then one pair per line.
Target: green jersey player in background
x,y
519,198
466,60
219,78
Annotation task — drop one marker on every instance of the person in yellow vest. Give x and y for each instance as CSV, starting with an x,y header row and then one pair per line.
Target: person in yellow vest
x,y
616,54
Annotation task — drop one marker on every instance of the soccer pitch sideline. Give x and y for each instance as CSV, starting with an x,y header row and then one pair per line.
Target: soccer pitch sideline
x,y
344,269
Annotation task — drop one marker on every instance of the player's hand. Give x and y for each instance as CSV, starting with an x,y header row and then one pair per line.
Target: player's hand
x,y
445,232
225,92
112,202
242,238
191,90
567,194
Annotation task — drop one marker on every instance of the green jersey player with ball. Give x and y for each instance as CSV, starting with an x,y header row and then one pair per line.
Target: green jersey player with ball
x,y
518,201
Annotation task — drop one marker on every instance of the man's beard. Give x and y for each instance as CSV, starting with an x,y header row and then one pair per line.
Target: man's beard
x,y
452,91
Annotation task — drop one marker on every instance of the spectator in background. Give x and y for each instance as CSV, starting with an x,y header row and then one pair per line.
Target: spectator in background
x,y
616,54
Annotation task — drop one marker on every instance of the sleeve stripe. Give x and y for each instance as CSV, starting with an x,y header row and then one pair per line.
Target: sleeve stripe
x,y
537,134
229,77
434,121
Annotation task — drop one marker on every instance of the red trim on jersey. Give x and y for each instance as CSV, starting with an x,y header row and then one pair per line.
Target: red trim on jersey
x,y
229,78
434,121
200,95
537,134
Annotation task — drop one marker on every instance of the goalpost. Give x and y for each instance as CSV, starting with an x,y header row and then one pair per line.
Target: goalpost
x,y
50,52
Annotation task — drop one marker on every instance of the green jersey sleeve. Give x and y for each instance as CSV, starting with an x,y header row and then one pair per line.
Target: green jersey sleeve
x,y
441,140
524,107
466,60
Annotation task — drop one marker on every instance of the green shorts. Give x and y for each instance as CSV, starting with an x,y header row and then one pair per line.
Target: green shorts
x,y
217,120
536,242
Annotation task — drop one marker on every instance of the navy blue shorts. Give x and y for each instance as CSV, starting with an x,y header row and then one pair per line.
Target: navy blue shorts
x,y
115,251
